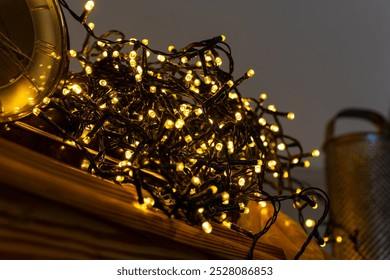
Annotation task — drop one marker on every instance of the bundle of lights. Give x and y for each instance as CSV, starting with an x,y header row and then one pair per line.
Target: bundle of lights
x,y
175,126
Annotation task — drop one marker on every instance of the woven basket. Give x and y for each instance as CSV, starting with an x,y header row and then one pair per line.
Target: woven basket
x,y
358,179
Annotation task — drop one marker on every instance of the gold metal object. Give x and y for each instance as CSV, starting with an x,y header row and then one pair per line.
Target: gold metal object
x,y
33,60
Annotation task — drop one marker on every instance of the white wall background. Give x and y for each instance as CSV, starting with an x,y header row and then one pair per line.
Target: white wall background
x,y
312,57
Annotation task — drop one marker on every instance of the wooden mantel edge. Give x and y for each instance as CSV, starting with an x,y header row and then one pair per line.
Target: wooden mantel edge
x,y
35,173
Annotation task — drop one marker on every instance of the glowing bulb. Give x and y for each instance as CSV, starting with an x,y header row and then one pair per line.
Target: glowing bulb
x,y
339,239
149,201
119,179
238,116
272,163
262,121
207,228
263,204
263,96
128,154
225,197
77,89
223,38
179,123
213,189
233,95
72,53
195,181
87,139
207,80
310,223
257,168
227,224
153,89
295,160
65,91
36,111
85,164
184,60
115,54
88,70
91,25
315,153
161,58
171,48
250,73
46,100
241,182
214,88
138,77
133,54
274,128
218,61
230,83
188,77
103,83
89,6
152,114
291,116
188,138
306,163
272,108
133,63
179,166
281,147
145,42
219,146
198,111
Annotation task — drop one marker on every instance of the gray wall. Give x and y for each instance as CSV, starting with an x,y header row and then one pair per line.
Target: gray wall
x,y
312,57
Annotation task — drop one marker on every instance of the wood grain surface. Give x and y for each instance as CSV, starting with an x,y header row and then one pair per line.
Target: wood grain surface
x,y
49,210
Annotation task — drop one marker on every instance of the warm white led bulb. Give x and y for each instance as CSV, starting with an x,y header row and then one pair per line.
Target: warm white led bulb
x,y
89,6
72,53
315,153
179,123
281,146
250,73
241,182
152,114
291,116
262,121
207,228
238,116
195,181
161,58
263,96
188,138
310,223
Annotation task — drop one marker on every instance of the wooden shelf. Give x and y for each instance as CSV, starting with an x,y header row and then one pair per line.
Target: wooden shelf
x,y
49,210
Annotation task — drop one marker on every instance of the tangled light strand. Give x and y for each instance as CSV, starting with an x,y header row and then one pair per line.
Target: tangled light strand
x,y
175,125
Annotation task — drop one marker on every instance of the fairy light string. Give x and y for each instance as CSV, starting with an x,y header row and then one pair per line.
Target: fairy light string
x,y
179,129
